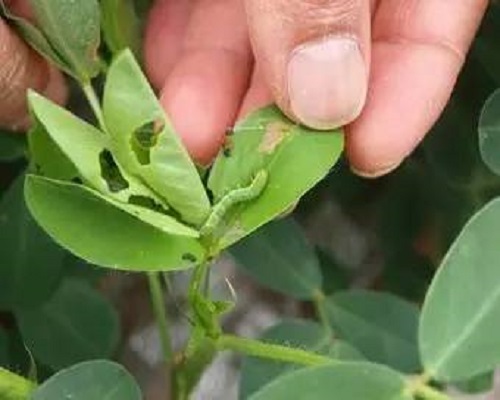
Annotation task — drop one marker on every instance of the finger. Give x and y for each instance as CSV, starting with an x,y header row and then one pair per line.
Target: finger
x,y
165,28
315,56
20,8
419,48
21,69
257,95
204,90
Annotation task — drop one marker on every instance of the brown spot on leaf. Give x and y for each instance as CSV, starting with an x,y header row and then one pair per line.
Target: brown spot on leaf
x,y
158,125
275,133
235,232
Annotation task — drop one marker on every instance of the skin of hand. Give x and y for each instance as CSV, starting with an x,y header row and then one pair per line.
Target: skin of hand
x,y
20,69
383,68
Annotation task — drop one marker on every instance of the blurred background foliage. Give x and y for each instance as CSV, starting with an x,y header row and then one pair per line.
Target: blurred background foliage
x,y
387,234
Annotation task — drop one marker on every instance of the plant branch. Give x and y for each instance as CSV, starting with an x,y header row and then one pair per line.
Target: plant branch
x,y
94,103
270,351
199,274
319,305
158,304
426,392
419,387
201,348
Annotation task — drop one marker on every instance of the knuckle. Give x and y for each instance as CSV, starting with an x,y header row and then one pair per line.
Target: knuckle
x,y
17,72
12,69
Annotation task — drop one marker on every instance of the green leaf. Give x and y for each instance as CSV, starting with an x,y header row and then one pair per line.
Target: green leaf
x,y
12,146
268,141
352,381
103,380
120,25
477,384
307,335
30,263
340,350
458,330
97,231
35,37
278,256
77,48
92,159
383,327
489,133
94,163
46,158
14,387
145,143
79,141
76,324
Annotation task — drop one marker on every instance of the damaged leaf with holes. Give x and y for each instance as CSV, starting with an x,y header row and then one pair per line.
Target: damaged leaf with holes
x,y
293,157
92,159
145,143
108,233
93,178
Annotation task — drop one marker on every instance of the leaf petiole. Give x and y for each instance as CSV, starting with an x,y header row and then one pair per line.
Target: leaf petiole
x,y
319,305
419,387
158,304
271,351
94,103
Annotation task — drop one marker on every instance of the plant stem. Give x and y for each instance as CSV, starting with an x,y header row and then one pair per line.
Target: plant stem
x,y
201,348
160,314
271,351
199,274
94,103
419,387
319,305
426,392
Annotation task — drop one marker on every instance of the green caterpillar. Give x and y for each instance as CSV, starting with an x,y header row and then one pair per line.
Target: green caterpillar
x,y
234,197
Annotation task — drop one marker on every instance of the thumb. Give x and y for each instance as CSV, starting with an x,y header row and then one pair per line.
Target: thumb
x,y
314,55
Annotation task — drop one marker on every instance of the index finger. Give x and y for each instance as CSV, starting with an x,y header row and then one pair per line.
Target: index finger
x,y
418,50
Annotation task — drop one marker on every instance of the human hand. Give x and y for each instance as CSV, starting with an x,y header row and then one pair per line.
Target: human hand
x,y
20,69
384,67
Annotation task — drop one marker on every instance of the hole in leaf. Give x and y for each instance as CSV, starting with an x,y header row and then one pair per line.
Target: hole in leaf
x,y
189,257
228,147
111,173
144,139
146,202
77,180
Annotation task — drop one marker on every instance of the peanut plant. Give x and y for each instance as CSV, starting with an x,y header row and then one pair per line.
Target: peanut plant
x,y
119,191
